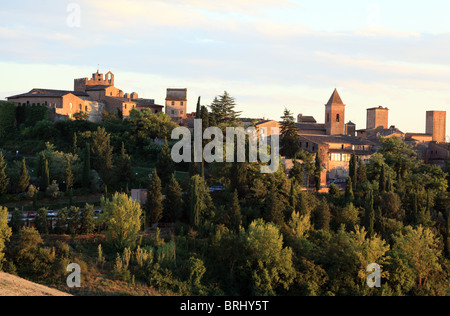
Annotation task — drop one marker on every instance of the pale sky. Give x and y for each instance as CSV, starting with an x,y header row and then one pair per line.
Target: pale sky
x,y
268,54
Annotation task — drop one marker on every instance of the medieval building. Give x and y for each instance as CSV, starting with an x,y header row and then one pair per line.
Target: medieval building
x,y
91,96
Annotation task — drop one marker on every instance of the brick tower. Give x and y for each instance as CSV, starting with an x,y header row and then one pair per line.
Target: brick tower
x,y
335,115
436,124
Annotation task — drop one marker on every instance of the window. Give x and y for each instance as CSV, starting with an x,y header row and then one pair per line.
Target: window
x,y
71,106
307,144
80,107
338,118
182,103
173,112
86,108
173,103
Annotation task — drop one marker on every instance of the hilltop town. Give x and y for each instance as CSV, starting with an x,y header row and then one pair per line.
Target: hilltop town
x,y
87,177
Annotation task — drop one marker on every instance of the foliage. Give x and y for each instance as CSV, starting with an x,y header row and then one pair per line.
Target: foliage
x,y
122,217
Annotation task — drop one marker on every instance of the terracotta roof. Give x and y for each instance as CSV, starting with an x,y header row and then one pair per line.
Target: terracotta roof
x,y
306,119
49,93
310,126
335,98
339,139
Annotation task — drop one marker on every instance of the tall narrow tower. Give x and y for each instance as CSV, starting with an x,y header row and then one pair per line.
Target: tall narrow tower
x,y
176,104
436,124
335,115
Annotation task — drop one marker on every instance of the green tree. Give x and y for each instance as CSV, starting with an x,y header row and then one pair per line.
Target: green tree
x,y
122,217
69,176
41,221
75,144
369,215
103,154
234,212
349,197
270,266
45,179
420,248
222,109
24,179
318,172
382,185
273,210
198,202
4,180
173,203
16,220
86,167
349,216
124,170
289,142
87,220
165,164
296,172
361,173
353,170
154,205
5,233
322,216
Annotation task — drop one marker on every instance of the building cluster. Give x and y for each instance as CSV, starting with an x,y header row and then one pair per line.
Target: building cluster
x,y
334,140
98,95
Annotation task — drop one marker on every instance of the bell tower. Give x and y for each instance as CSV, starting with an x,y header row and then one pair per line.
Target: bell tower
x,y
335,115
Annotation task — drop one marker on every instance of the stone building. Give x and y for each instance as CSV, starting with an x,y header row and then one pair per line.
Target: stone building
x,y
176,104
92,96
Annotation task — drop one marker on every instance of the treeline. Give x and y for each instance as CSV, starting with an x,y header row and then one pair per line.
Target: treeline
x,y
264,234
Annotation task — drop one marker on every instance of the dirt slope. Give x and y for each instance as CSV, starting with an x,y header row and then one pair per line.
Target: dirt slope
x,y
14,286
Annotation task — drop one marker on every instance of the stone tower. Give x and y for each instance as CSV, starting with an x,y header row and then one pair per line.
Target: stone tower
x,y
335,115
436,125
377,117
176,104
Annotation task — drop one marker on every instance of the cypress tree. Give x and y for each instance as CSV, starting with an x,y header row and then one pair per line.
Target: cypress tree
x,y
165,165
369,216
353,170
154,206
349,191
235,215
87,167
292,197
75,144
198,112
204,115
382,184
318,171
273,211
4,180
45,179
24,179
362,173
301,204
69,176
174,201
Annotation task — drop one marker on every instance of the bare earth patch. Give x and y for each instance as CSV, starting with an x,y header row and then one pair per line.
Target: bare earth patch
x,y
14,286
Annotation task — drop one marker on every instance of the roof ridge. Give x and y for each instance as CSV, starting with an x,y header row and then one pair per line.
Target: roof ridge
x,y
335,98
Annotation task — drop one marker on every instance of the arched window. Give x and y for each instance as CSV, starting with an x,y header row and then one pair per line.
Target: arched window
x,y
338,118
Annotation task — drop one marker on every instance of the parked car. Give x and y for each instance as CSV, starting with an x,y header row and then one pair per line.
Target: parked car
x,y
52,214
31,214
215,188
9,217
